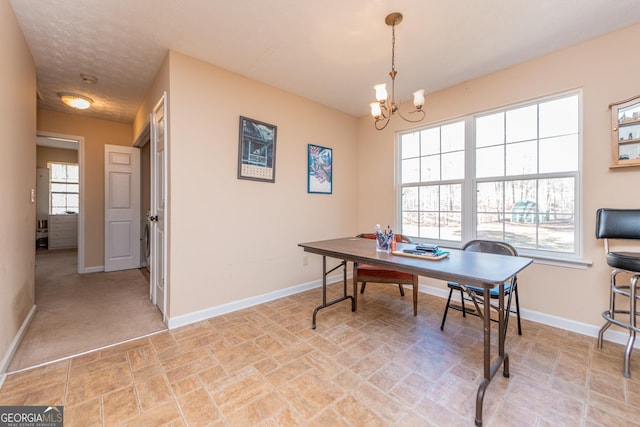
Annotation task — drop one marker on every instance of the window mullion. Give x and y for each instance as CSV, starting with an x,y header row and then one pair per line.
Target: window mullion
x,y
469,194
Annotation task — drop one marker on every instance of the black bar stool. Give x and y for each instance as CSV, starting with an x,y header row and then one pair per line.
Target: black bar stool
x,y
621,224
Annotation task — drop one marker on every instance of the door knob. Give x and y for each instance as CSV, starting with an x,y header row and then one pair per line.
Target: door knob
x,y
153,218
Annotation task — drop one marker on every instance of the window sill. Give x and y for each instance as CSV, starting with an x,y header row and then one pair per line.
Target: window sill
x,y
555,260
559,261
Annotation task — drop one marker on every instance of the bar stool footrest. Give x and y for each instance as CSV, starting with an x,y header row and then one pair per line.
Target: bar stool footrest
x,y
610,319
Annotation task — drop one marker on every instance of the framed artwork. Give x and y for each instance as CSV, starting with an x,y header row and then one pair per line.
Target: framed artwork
x,y
257,150
320,170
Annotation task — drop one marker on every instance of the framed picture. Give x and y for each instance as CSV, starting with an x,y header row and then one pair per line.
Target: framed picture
x,y
320,172
257,150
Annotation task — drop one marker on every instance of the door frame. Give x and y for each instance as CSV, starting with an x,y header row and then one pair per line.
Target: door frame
x,y
161,105
62,139
143,138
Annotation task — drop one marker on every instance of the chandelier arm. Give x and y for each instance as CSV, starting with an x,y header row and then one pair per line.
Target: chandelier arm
x,y
421,112
385,120
386,112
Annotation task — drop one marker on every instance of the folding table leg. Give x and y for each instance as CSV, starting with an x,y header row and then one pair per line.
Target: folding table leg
x,y
503,358
325,304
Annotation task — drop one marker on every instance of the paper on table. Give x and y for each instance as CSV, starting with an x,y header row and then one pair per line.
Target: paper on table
x,y
431,256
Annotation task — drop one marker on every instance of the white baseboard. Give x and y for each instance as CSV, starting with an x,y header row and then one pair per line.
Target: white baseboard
x,y
197,316
96,269
611,335
6,360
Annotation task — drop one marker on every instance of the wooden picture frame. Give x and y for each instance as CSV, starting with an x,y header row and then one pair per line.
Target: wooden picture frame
x,y
257,150
319,169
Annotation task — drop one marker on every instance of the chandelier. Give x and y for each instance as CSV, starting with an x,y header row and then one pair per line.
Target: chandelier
x,y
386,107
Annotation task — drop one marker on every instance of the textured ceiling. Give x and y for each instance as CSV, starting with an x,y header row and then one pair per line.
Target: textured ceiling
x,y
330,51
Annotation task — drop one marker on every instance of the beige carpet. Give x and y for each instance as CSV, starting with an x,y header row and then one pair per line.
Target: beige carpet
x,y
83,312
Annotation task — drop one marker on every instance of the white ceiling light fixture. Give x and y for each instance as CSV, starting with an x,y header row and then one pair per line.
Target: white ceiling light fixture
x,y
75,101
386,107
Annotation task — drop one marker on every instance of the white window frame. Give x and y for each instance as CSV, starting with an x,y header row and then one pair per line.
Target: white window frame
x,y
469,184
49,164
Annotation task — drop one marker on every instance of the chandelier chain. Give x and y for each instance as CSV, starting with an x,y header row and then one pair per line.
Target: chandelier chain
x,y
393,48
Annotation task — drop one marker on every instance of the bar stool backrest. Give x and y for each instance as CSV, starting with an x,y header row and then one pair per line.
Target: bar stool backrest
x,y
618,223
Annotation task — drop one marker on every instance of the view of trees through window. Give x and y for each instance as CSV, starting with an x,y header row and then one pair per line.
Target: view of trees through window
x,y
520,186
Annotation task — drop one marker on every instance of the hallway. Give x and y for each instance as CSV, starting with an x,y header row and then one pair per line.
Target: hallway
x,y
79,313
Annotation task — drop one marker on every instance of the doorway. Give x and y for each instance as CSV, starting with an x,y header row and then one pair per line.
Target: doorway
x,y
66,149
153,144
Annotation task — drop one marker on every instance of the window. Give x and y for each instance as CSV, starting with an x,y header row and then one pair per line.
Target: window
x,y
64,188
432,168
511,174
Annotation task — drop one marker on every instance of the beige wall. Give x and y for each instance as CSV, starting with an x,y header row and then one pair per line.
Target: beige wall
x,y
96,134
232,239
17,175
607,72
158,87
51,154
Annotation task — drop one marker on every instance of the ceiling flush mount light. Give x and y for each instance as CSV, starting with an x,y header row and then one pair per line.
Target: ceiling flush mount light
x,y
73,100
385,107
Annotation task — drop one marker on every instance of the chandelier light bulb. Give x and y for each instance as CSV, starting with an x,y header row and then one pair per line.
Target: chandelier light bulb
x,y
375,109
381,92
418,98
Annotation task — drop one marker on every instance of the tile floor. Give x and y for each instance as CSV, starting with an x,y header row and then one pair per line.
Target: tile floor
x,y
381,366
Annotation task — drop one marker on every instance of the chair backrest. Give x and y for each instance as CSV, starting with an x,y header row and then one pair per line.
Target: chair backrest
x,y
493,247
399,237
618,223
490,246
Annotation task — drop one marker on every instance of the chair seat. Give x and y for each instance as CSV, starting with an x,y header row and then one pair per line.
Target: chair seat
x,y
365,270
629,261
480,291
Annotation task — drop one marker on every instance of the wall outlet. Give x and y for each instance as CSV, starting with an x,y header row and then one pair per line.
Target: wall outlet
x,y
305,259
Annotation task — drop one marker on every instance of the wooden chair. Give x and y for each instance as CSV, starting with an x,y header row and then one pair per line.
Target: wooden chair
x,y
366,273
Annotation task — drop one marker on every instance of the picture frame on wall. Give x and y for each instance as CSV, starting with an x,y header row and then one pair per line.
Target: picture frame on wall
x,y
320,169
257,150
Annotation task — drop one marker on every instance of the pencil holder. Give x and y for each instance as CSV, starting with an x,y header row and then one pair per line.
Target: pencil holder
x,y
383,242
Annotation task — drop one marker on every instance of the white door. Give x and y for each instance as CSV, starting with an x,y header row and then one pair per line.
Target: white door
x,y
122,207
158,258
